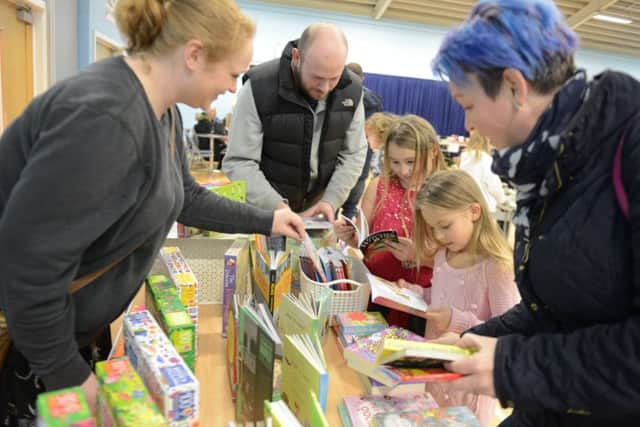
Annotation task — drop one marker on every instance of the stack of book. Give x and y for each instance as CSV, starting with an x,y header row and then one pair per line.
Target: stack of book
x,y
452,416
352,325
368,356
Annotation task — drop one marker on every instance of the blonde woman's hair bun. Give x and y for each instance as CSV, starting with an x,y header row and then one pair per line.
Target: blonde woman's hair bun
x,y
141,21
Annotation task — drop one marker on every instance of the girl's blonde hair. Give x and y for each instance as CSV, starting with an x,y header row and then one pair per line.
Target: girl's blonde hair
x,y
379,123
456,190
156,27
478,144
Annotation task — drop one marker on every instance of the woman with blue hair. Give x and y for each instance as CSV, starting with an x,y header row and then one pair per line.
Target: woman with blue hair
x,y
567,355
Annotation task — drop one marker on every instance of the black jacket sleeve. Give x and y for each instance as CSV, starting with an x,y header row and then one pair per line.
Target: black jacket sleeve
x,y
518,320
81,175
593,369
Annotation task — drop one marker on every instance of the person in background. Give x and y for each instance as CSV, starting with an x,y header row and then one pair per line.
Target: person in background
x,y
472,269
476,161
204,125
567,354
376,128
372,104
297,135
412,154
93,176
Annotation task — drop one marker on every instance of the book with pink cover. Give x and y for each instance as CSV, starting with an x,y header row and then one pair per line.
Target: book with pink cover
x,y
361,356
360,410
452,416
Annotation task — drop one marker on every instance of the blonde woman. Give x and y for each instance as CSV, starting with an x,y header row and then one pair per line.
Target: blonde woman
x,y
412,154
473,270
476,161
94,176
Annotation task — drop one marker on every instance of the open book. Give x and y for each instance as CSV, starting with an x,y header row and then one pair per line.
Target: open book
x,y
305,313
412,354
370,244
390,295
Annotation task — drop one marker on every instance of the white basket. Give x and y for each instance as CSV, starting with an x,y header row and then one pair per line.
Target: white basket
x,y
343,301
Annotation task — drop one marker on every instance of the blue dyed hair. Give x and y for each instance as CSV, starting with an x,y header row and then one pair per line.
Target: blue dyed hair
x,y
528,35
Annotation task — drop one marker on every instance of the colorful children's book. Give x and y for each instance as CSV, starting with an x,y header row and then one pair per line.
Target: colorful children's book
x,y
64,408
370,244
453,416
164,304
375,388
361,356
123,399
233,358
411,354
360,410
304,370
271,271
390,295
185,281
235,276
260,355
169,380
305,313
360,323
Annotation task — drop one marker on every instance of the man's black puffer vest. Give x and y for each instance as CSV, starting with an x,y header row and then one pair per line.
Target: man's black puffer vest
x,y
287,125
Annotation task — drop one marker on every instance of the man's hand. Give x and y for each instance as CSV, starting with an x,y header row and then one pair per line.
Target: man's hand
x,y
90,390
287,223
321,208
477,368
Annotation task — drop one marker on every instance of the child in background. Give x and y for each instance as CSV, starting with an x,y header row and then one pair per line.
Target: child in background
x,y
412,153
473,269
476,160
376,128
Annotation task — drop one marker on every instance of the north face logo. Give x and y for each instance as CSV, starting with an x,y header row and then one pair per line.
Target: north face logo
x,y
347,102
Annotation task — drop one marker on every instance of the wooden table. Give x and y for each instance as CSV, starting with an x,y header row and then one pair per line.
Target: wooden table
x,y
216,407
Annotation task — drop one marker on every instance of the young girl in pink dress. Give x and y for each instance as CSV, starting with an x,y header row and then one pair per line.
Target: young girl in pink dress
x,y
411,154
473,276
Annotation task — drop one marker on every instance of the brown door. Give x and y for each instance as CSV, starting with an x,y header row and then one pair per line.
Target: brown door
x,y
16,62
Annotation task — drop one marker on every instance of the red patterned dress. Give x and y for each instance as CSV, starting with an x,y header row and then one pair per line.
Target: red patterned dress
x,y
396,213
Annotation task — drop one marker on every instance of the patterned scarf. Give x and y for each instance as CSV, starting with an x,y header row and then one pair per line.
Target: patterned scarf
x,y
526,167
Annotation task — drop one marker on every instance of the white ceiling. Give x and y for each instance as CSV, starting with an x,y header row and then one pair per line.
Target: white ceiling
x,y
605,36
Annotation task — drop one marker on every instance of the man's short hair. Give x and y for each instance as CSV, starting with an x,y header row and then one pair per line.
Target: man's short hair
x,y
356,69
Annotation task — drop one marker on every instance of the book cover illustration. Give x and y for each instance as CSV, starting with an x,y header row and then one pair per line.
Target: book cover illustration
x,y
375,243
410,354
305,313
361,409
361,356
234,278
452,416
391,295
304,370
361,322
271,270
260,368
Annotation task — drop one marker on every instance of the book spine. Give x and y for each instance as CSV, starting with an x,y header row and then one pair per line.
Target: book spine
x,y
229,288
272,289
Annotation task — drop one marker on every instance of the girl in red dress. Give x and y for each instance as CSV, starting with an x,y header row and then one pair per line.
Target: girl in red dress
x,y
412,154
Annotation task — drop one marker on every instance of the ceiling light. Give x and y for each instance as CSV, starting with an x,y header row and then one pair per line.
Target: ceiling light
x,y
613,19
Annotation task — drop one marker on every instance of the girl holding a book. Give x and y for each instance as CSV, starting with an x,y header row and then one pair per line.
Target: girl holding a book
x,y
412,153
472,270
